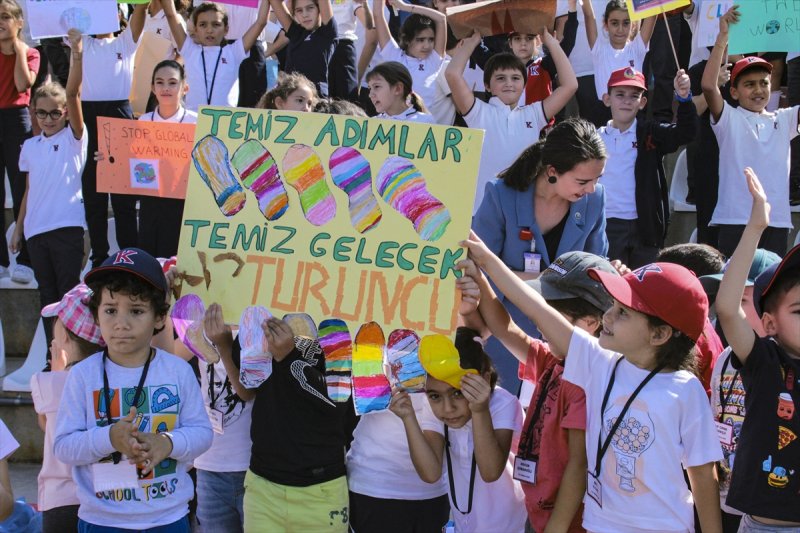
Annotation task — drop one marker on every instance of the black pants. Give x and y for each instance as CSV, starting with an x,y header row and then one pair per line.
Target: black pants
x,y
60,519
773,239
96,203
625,244
160,225
252,77
368,514
15,128
589,107
56,257
343,71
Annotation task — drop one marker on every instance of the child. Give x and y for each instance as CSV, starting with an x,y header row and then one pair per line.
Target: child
x,y
212,63
19,65
51,216
156,22
165,427
421,48
552,445
471,429
749,136
391,94
343,69
75,337
764,479
637,208
312,32
648,335
620,48
509,128
294,92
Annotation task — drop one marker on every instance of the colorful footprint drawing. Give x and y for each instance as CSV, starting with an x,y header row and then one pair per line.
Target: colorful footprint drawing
x,y
255,365
402,357
187,317
402,186
351,172
210,157
303,170
334,337
371,389
259,173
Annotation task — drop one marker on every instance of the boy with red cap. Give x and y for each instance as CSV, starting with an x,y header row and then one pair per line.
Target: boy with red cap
x,y
749,136
637,210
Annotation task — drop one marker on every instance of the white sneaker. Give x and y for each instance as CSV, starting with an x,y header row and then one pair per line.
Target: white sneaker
x,y
22,274
4,273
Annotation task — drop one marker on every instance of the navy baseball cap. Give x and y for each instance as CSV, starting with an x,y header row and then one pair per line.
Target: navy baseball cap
x,y
133,261
766,280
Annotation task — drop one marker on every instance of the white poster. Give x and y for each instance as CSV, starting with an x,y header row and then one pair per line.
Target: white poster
x,y
708,20
52,18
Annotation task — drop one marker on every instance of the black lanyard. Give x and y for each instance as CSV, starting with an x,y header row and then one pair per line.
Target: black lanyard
x,y
210,92
542,388
450,475
107,393
601,450
724,398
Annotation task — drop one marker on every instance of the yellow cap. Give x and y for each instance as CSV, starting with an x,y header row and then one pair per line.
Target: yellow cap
x,y
441,360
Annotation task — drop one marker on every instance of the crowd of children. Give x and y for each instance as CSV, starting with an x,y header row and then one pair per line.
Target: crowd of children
x,y
660,389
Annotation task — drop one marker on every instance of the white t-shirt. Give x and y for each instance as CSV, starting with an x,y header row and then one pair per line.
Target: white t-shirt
x,y
410,115
224,89
499,505
182,116
423,73
445,112
56,487
158,24
361,40
105,60
668,427
379,463
240,18
344,11
8,444
607,59
618,177
508,133
54,165
760,141
581,57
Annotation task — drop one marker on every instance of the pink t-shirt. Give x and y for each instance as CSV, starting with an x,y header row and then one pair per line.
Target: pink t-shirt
x,y
56,488
564,408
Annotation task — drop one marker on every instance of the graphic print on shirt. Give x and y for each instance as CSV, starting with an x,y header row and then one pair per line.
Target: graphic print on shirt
x,y
732,414
633,437
225,399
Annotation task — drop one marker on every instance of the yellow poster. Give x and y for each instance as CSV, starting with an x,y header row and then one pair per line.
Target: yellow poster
x,y
338,217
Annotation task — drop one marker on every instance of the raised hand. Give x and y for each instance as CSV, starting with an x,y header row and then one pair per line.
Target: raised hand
x,y
477,392
759,213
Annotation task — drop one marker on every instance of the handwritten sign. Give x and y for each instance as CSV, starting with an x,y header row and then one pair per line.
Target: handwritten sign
x,y
500,17
708,17
766,26
53,18
143,157
641,9
339,217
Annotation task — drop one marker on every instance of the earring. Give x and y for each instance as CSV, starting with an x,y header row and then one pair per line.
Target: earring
x,y
552,178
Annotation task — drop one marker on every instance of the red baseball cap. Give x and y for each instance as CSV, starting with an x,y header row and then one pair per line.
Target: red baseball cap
x,y
664,290
627,77
748,63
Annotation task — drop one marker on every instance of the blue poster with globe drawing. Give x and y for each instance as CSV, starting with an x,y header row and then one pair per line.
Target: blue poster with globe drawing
x,y
766,26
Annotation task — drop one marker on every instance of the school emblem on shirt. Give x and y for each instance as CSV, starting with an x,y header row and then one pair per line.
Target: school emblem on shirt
x,y
640,273
55,148
533,70
421,67
529,125
634,144
223,61
119,56
158,31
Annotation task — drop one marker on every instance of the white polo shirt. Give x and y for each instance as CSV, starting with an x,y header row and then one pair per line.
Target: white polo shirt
x,y
158,25
581,57
54,165
181,116
411,115
224,88
759,141
618,177
108,67
445,111
344,11
508,133
607,59
423,73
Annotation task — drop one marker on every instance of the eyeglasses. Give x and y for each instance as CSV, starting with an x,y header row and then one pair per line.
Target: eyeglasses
x,y
55,114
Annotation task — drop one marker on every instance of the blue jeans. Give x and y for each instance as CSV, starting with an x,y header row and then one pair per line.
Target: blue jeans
x,y
749,525
220,501
180,526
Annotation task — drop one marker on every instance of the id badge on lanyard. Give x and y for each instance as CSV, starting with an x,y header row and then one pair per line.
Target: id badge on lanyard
x,y
525,470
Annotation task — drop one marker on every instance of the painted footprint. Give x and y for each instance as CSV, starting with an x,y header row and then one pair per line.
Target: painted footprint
x,y
187,317
402,186
334,337
255,365
351,172
402,357
259,173
303,170
210,157
371,389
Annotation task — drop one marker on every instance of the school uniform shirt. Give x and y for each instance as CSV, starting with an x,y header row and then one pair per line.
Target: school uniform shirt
x,y
618,177
766,477
344,11
379,463
410,115
202,62
445,111
310,52
668,427
182,116
507,133
54,165
170,401
760,141
158,25
8,444
499,505
10,97
581,56
423,73
607,59
104,60
727,404
56,487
